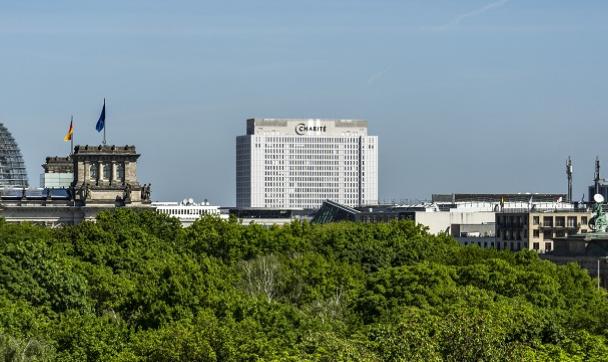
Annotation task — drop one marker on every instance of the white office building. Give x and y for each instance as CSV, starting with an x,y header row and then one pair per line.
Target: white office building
x,y
188,211
299,163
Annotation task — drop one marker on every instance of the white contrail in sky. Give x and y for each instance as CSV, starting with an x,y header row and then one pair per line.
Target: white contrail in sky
x,y
458,19
374,77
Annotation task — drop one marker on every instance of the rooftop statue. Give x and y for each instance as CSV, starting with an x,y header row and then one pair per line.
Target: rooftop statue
x,y
599,222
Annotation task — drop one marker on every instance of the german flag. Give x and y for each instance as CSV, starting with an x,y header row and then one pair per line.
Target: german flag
x,y
70,134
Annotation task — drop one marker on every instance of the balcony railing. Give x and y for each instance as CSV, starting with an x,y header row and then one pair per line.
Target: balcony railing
x,y
559,227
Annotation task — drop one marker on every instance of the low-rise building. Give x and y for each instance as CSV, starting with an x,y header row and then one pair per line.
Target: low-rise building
x,y
514,225
188,211
535,228
469,223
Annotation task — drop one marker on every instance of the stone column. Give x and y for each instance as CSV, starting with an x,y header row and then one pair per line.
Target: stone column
x,y
99,172
113,173
84,175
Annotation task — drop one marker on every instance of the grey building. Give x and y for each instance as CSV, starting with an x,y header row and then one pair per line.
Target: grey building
x,y
105,177
107,174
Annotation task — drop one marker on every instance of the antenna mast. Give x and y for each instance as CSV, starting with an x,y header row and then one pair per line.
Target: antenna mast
x,y
569,173
596,179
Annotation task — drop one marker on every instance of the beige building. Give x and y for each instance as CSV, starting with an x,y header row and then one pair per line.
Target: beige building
x,y
104,177
536,229
107,175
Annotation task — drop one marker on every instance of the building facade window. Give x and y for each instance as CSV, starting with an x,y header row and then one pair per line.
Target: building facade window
x,y
93,171
107,171
571,223
120,172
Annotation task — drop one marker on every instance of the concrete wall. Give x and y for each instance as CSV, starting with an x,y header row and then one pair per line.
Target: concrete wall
x,y
439,222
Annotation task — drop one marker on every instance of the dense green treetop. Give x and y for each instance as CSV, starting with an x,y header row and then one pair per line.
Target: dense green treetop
x,y
136,286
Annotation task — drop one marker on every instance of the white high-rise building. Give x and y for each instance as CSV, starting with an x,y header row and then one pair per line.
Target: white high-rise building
x,y
299,163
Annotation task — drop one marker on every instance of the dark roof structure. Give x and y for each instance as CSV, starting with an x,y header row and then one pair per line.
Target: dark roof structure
x,y
332,211
12,167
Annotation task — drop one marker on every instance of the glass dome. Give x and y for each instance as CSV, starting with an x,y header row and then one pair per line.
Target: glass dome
x,y
12,167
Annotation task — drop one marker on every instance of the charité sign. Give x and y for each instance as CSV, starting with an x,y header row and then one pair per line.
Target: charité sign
x,y
302,129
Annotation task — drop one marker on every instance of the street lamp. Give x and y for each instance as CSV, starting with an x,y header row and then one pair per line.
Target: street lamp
x,y
598,269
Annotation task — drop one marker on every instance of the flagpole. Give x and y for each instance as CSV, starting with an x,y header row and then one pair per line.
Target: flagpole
x,y
104,123
72,138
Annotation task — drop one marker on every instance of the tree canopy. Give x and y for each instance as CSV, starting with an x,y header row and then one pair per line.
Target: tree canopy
x,y
136,286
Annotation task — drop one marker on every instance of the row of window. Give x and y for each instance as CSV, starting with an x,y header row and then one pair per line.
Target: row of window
x,y
309,149
509,245
106,171
281,140
570,221
317,163
522,234
560,221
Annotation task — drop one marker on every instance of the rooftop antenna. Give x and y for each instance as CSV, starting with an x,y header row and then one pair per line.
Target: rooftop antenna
x,y
596,179
569,174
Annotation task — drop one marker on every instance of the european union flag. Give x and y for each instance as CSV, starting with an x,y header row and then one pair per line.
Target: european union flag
x,y
101,123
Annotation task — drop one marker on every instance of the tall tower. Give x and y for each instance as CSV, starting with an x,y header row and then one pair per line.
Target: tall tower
x,y
12,167
569,174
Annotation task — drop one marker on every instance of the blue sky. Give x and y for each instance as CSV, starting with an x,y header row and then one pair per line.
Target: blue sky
x,y
466,96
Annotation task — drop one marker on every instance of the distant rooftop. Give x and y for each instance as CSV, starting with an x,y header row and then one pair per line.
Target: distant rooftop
x,y
506,197
306,126
93,150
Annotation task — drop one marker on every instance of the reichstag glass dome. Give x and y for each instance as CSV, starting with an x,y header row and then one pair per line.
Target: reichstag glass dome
x,y
12,167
